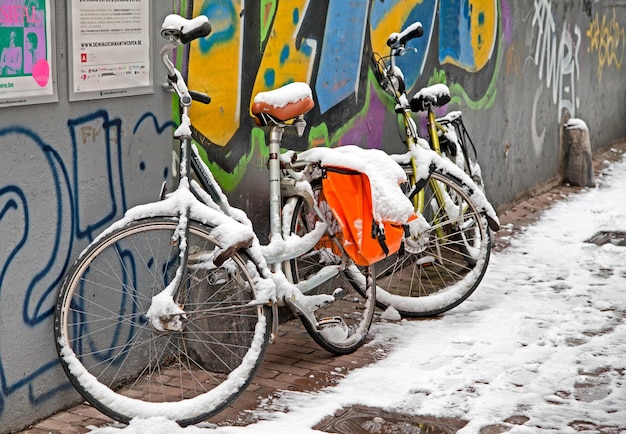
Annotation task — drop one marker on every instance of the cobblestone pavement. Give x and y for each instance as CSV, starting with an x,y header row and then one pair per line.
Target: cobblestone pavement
x,y
294,362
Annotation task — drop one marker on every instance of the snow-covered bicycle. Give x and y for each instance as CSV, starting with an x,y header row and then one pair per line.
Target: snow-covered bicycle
x,y
440,270
169,311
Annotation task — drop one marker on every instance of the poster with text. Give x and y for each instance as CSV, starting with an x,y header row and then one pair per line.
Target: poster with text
x,y
26,52
110,48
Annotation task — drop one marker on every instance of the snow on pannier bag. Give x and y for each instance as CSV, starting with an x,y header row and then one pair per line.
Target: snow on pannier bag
x,y
362,188
366,240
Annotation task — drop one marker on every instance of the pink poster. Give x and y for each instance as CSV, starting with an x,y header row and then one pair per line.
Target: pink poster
x,y
25,52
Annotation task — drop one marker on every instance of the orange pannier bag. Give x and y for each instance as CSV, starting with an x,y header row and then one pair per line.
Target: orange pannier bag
x,y
348,194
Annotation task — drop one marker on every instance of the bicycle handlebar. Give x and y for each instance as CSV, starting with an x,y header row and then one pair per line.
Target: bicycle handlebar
x,y
200,97
199,32
389,76
182,30
397,40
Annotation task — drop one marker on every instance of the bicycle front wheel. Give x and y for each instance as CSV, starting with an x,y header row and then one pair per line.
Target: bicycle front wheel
x,y
124,366
439,270
343,305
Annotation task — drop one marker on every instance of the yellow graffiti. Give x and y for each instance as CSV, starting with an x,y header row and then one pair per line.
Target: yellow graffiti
x,y
608,39
475,32
217,73
484,29
285,59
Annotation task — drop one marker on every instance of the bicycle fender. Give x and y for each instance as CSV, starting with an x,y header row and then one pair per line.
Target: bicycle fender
x,y
475,193
289,188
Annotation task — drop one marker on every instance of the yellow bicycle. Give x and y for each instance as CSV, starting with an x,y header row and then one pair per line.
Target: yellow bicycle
x,y
439,270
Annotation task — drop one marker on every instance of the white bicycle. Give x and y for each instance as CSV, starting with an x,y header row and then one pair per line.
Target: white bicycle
x,y
170,310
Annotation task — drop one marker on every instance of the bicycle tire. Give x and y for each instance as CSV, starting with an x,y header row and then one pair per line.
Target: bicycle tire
x,y
344,322
436,273
125,367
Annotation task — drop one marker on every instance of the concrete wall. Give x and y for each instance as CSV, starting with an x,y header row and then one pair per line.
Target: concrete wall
x,y
68,169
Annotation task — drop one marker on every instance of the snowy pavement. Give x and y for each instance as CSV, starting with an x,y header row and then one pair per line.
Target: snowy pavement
x,y
539,348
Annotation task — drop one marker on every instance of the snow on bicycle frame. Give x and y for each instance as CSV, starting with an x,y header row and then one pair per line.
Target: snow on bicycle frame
x,y
233,233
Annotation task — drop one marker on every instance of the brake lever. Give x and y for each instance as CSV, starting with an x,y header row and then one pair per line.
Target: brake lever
x,y
402,50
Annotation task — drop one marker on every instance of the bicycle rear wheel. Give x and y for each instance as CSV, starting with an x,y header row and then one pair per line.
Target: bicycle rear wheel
x,y
124,366
343,305
442,269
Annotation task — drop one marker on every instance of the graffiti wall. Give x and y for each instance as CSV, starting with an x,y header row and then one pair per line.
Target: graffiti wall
x,y
519,67
516,69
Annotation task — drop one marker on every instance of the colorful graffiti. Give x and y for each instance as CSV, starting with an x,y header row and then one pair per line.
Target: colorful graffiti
x,y
470,38
81,188
218,76
66,201
608,40
287,55
328,44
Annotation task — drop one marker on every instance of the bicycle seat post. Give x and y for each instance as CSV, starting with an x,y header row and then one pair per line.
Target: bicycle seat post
x,y
279,108
276,135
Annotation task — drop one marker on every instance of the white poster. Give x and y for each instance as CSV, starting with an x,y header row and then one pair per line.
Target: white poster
x,y
110,47
27,75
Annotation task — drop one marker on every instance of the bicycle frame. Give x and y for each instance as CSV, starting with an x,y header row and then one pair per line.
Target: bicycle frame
x,y
192,164
280,178
417,193
392,81
412,136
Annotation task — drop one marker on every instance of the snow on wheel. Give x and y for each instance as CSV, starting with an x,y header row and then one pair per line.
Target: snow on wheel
x,y
200,358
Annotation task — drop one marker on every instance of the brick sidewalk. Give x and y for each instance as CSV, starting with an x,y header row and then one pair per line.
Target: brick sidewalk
x,y
294,362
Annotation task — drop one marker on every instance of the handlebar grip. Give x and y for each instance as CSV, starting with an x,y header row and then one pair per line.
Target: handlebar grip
x,y
198,32
200,97
396,40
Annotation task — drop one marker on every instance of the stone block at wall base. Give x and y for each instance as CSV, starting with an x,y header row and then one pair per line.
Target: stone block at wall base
x,y
578,158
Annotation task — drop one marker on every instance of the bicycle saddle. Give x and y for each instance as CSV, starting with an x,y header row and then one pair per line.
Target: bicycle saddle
x,y
282,104
436,95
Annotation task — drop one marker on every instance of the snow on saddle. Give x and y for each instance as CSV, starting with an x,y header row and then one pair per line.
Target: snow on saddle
x,y
283,104
436,95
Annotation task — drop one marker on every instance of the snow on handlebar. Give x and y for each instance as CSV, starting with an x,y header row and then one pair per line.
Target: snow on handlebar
x,y
397,40
185,30
179,31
